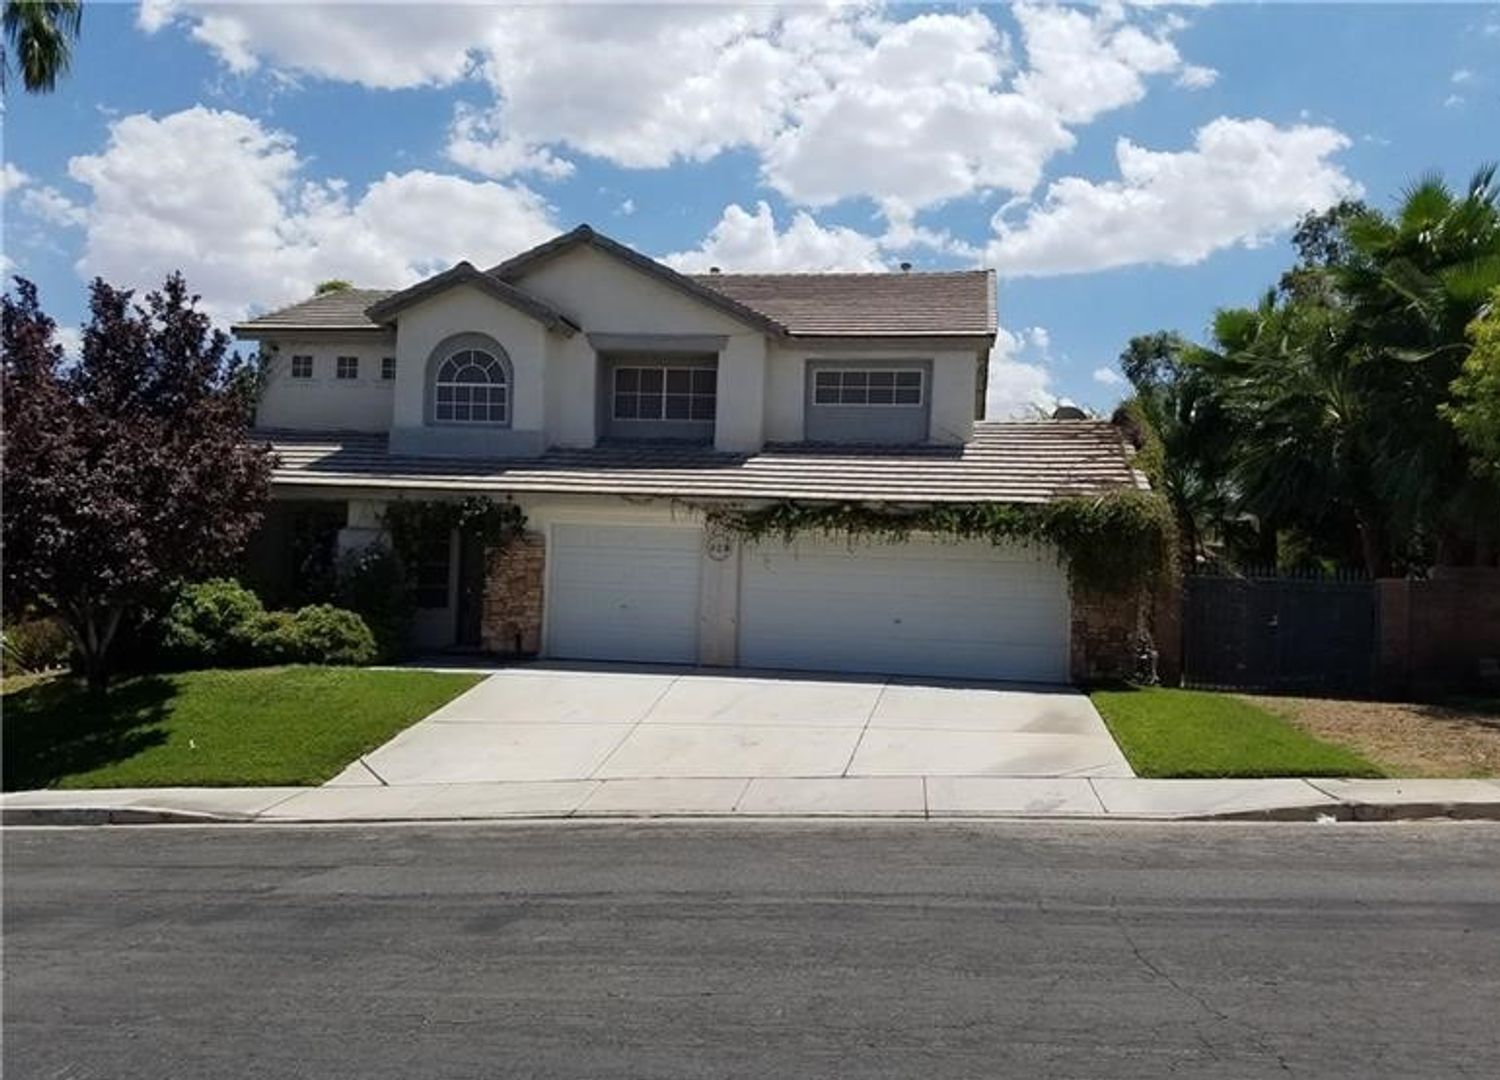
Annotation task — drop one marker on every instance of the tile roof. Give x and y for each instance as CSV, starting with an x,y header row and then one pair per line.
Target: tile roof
x,y
342,309
464,273
960,302
1033,461
917,304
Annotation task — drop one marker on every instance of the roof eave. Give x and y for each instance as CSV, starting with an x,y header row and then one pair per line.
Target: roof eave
x,y
585,235
465,273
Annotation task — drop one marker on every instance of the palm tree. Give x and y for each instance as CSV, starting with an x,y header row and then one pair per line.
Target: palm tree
x,y
39,36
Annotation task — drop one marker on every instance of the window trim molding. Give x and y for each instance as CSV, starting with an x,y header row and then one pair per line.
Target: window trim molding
x,y
338,369
445,350
292,367
894,370
664,368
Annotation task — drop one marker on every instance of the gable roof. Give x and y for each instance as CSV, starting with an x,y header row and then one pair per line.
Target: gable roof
x,y
341,309
465,273
926,304
585,236
1007,461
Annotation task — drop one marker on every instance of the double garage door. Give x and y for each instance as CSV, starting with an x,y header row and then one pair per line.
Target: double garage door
x,y
968,610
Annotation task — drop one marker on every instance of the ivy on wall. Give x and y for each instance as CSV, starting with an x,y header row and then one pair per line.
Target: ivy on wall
x,y
412,524
1112,543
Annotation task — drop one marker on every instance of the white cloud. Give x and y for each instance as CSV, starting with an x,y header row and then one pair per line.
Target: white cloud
x,y
71,340
383,46
1039,337
1242,181
1197,77
1453,101
52,207
1018,389
750,242
626,208
1108,377
837,101
1462,75
11,178
227,201
1082,63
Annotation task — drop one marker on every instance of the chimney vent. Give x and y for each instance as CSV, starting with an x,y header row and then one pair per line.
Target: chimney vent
x,y
906,268
713,269
1069,412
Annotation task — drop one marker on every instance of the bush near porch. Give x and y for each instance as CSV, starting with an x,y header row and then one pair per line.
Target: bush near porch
x,y
1197,733
257,726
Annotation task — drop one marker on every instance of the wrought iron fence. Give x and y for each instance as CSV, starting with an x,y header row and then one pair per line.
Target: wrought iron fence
x,y
1284,632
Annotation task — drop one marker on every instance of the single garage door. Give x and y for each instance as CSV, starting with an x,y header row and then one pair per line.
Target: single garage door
x,y
923,607
623,593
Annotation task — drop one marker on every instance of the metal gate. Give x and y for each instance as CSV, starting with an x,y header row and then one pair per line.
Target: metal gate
x,y
1279,633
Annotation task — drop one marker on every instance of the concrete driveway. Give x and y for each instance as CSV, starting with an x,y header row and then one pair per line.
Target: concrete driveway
x,y
554,723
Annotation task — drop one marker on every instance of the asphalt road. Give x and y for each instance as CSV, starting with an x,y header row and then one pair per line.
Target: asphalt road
x,y
753,950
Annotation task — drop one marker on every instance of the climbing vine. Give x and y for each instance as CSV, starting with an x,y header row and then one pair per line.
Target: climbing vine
x,y
1112,543
412,523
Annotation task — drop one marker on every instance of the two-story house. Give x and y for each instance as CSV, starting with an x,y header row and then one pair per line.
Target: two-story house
x,y
615,399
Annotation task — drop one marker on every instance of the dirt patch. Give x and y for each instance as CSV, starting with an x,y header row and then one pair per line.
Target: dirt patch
x,y
1405,739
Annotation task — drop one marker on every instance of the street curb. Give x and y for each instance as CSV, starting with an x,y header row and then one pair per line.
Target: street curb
x,y
120,815
1352,811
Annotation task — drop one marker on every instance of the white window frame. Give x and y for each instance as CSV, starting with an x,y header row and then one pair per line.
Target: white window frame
x,y
466,390
693,395
387,369
895,373
301,375
338,368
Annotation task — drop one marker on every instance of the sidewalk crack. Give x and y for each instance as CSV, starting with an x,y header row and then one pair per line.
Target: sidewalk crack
x,y
862,731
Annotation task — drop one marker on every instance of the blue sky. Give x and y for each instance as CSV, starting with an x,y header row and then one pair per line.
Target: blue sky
x,y
1124,167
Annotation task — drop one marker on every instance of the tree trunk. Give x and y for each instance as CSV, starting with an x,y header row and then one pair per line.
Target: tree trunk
x,y
93,641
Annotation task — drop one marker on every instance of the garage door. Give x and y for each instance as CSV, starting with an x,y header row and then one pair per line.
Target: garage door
x,y
915,608
623,593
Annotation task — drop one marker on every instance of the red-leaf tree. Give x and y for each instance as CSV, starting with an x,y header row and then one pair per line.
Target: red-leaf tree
x,y
124,471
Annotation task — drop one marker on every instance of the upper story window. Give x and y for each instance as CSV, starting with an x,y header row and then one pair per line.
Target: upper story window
x,y
347,367
858,386
472,387
665,393
387,369
302,367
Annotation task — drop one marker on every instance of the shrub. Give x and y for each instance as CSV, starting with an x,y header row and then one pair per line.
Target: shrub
x,y
277,640
325,634
35,645
213,623
373,585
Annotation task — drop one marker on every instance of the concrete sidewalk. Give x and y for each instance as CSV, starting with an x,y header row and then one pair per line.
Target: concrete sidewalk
x,y
913,797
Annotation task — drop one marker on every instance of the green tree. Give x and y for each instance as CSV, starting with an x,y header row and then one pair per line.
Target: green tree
x,y
1182,436
1339,380
1475,410
39,37
332,285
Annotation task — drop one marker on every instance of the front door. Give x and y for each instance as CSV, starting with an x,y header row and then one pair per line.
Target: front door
x,y
467,633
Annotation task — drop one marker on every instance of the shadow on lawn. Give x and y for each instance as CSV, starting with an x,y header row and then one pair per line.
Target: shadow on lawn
x,y
57,730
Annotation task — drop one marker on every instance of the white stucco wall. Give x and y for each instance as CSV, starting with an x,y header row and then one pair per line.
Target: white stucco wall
x,y
326,403
466,310
951,393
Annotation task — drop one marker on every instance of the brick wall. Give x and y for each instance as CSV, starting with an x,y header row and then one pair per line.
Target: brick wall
x,y
1104,629
512,621
1439,632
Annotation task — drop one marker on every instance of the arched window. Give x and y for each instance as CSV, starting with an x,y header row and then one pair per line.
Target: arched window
x,y
471,388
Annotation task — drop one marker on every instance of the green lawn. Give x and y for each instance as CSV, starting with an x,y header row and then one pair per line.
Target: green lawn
x,y
287,725
1198,733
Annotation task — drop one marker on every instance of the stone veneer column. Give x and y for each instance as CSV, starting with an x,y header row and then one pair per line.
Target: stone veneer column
x,y
513,597
1104,629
